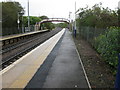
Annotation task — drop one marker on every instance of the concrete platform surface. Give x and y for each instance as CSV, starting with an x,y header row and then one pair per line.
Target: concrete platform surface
x,y
62,68
18,74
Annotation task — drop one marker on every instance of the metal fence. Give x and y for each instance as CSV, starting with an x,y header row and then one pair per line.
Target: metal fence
x,y
111,49
89,33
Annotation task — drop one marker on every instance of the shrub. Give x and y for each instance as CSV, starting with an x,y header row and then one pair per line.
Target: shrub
x,y
108,46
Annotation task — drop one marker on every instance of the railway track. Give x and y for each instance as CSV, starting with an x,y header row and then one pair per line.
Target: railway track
x,y
14,52
20,43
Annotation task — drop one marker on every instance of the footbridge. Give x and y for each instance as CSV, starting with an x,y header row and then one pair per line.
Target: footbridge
x,y
52,20
55,20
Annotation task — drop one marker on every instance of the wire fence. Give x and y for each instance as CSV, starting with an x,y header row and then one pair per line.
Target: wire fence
x,y
105,42
90,33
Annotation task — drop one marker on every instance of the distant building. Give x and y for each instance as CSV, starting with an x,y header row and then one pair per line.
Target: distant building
x,y
119,4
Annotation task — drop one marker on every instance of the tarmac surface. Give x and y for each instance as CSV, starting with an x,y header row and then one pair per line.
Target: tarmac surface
x,y
62,68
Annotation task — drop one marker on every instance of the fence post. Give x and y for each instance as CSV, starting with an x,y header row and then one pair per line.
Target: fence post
x,y
94,36
117,82
74,31
88,34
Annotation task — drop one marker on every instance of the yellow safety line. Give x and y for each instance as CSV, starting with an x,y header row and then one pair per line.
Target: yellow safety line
x,y
22,81
9,37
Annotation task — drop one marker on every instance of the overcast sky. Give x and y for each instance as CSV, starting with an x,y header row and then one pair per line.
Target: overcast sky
x,y
61,8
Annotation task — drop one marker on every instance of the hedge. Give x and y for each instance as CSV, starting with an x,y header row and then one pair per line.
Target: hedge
x,y
108,45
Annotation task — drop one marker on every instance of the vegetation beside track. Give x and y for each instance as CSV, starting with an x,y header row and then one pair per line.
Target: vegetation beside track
x,y
100,27
12,12
108,47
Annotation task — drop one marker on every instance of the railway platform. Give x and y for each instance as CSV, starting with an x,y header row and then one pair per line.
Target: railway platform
x,y
54,64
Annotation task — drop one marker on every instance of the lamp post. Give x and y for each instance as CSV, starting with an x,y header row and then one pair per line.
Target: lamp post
x,y
21,13
18,21
75,22
22,25
70,16
119,13
70,20
28,17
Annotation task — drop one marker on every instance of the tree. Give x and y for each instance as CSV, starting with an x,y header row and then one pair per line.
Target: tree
x,y
10,13
33,20
43,17
118,17
46,25
97,17
62,25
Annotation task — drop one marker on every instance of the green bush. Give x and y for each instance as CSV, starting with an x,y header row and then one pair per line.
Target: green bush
x,y
108,45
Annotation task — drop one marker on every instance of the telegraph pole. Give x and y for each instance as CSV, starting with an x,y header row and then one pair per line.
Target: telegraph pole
x,y
70,16
119,13
70,20
75,15
28,17
75,21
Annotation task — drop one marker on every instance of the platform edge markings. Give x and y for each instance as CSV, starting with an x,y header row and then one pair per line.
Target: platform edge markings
x,y
58,63
19,60
19,35
9,67
12,65
16,84
44,69
24,76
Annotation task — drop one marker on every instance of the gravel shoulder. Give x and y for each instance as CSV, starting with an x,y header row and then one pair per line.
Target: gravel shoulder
x,y
98,72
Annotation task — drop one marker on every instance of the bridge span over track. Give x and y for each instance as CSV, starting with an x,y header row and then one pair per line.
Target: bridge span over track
x,y
53,20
